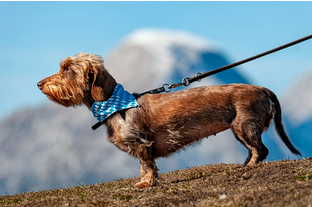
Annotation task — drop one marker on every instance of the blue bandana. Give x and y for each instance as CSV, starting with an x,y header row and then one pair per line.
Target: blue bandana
x,y
120,100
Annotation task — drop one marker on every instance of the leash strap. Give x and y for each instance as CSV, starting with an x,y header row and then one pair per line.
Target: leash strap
x,y
187,81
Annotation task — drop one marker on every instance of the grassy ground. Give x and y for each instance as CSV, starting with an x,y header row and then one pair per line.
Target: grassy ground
x,y
280,183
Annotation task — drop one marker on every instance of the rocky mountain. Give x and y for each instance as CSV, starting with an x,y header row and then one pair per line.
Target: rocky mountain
x,y
52,146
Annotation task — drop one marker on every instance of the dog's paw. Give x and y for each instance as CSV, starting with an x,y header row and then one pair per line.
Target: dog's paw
x,y
144,184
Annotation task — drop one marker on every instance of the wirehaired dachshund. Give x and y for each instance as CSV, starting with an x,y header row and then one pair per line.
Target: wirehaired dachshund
x,y
165,123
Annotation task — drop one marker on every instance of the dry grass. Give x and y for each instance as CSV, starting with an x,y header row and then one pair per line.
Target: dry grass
x,y
280,183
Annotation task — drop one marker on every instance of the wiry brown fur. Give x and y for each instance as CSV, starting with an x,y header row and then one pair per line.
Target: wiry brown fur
x,y
165,123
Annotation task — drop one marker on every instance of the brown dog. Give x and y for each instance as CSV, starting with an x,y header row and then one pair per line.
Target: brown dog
x,y
165,123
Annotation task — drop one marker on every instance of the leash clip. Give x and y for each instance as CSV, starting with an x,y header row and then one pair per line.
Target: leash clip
x,y
186,81
166,88
175,85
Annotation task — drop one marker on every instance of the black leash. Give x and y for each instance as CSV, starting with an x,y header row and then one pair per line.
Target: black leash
x,y
187,81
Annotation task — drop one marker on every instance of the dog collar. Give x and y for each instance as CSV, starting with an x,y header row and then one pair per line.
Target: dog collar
x,y
119,100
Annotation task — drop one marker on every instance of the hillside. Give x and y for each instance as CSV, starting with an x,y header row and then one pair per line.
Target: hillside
x,y
279,183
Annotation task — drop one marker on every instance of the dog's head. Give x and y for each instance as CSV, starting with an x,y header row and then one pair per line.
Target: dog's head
x,y
81,79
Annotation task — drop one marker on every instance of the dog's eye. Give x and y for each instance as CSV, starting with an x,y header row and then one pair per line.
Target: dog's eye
x,y
66,69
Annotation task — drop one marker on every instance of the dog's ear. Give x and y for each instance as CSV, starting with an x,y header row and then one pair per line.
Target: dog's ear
x,y
103,84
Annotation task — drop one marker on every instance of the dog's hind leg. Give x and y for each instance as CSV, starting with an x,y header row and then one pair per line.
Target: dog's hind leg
x,y
249,134
263,152
249,150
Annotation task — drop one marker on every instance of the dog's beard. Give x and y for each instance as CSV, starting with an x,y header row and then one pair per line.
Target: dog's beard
x,y
63,94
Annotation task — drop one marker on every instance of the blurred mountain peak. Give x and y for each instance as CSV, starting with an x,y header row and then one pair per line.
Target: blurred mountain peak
x,y
166,56
167,38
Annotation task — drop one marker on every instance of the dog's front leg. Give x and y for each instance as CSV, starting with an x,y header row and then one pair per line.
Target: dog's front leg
x,y
148,169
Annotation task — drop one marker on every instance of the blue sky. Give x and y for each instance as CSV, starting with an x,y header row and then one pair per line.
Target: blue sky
x,y
36,36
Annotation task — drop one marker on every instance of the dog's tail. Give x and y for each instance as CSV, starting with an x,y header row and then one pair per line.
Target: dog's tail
x,y
278,122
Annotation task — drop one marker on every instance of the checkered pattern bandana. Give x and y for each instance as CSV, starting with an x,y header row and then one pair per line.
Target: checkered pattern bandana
x,y
120,100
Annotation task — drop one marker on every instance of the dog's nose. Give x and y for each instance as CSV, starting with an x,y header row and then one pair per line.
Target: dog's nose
x,y
40,84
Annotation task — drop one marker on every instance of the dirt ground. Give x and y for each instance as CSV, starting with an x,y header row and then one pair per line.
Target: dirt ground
x,y
279,183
